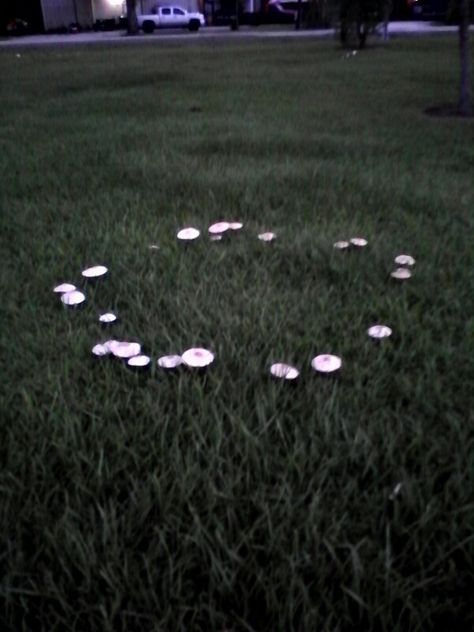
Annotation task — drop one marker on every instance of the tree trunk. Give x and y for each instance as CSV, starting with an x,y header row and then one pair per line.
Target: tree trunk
x,y
132,24
465,104
298,16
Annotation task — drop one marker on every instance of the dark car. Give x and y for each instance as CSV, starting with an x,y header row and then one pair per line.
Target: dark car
x,y
17,26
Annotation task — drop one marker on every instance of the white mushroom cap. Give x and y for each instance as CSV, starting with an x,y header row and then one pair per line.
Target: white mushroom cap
x,y
341,245
359,242
64,287
284,371
401,274
218,228
108,317
215,237
100,350
267,236
170,361
94,272
73,298
109,344
188,234
139,361
379,331
197,357
123,349
405,260
326,363
235,225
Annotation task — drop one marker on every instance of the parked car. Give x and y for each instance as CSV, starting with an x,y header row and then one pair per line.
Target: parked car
x,y
17,26
170,17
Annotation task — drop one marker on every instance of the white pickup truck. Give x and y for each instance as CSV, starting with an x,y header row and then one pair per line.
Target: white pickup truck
x,y
163,17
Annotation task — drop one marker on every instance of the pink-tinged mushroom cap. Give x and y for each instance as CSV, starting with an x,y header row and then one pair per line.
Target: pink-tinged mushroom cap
x,y
218,228
109,344
170,361
359,242
401,274
405,260
94,272
124,349
197,357
188,234
326,363
100,350
379,331
139,361
284,371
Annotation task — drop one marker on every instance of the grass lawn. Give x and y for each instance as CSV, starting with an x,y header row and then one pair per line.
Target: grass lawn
x,y
227,501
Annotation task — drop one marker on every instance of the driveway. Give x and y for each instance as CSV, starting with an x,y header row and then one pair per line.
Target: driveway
x,y
395,29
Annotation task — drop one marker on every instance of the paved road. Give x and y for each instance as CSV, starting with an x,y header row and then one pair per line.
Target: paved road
x,y
395,29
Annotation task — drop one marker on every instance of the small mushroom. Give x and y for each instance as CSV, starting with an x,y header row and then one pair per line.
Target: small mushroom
x,y
197,357
267,236
124,349
341,245
326,363
379,331
73,299
218,228
94,272
107,318
359,242
401,274
170,361
284,371
64,287
405,261
188,234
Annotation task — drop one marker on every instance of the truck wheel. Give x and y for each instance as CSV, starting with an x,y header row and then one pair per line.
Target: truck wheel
x,y
148,26
194,24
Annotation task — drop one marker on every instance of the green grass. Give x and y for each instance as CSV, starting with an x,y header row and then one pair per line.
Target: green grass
x,y
226,501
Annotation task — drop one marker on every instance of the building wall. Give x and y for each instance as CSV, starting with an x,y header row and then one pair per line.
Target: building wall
x,y
61,13
107,9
